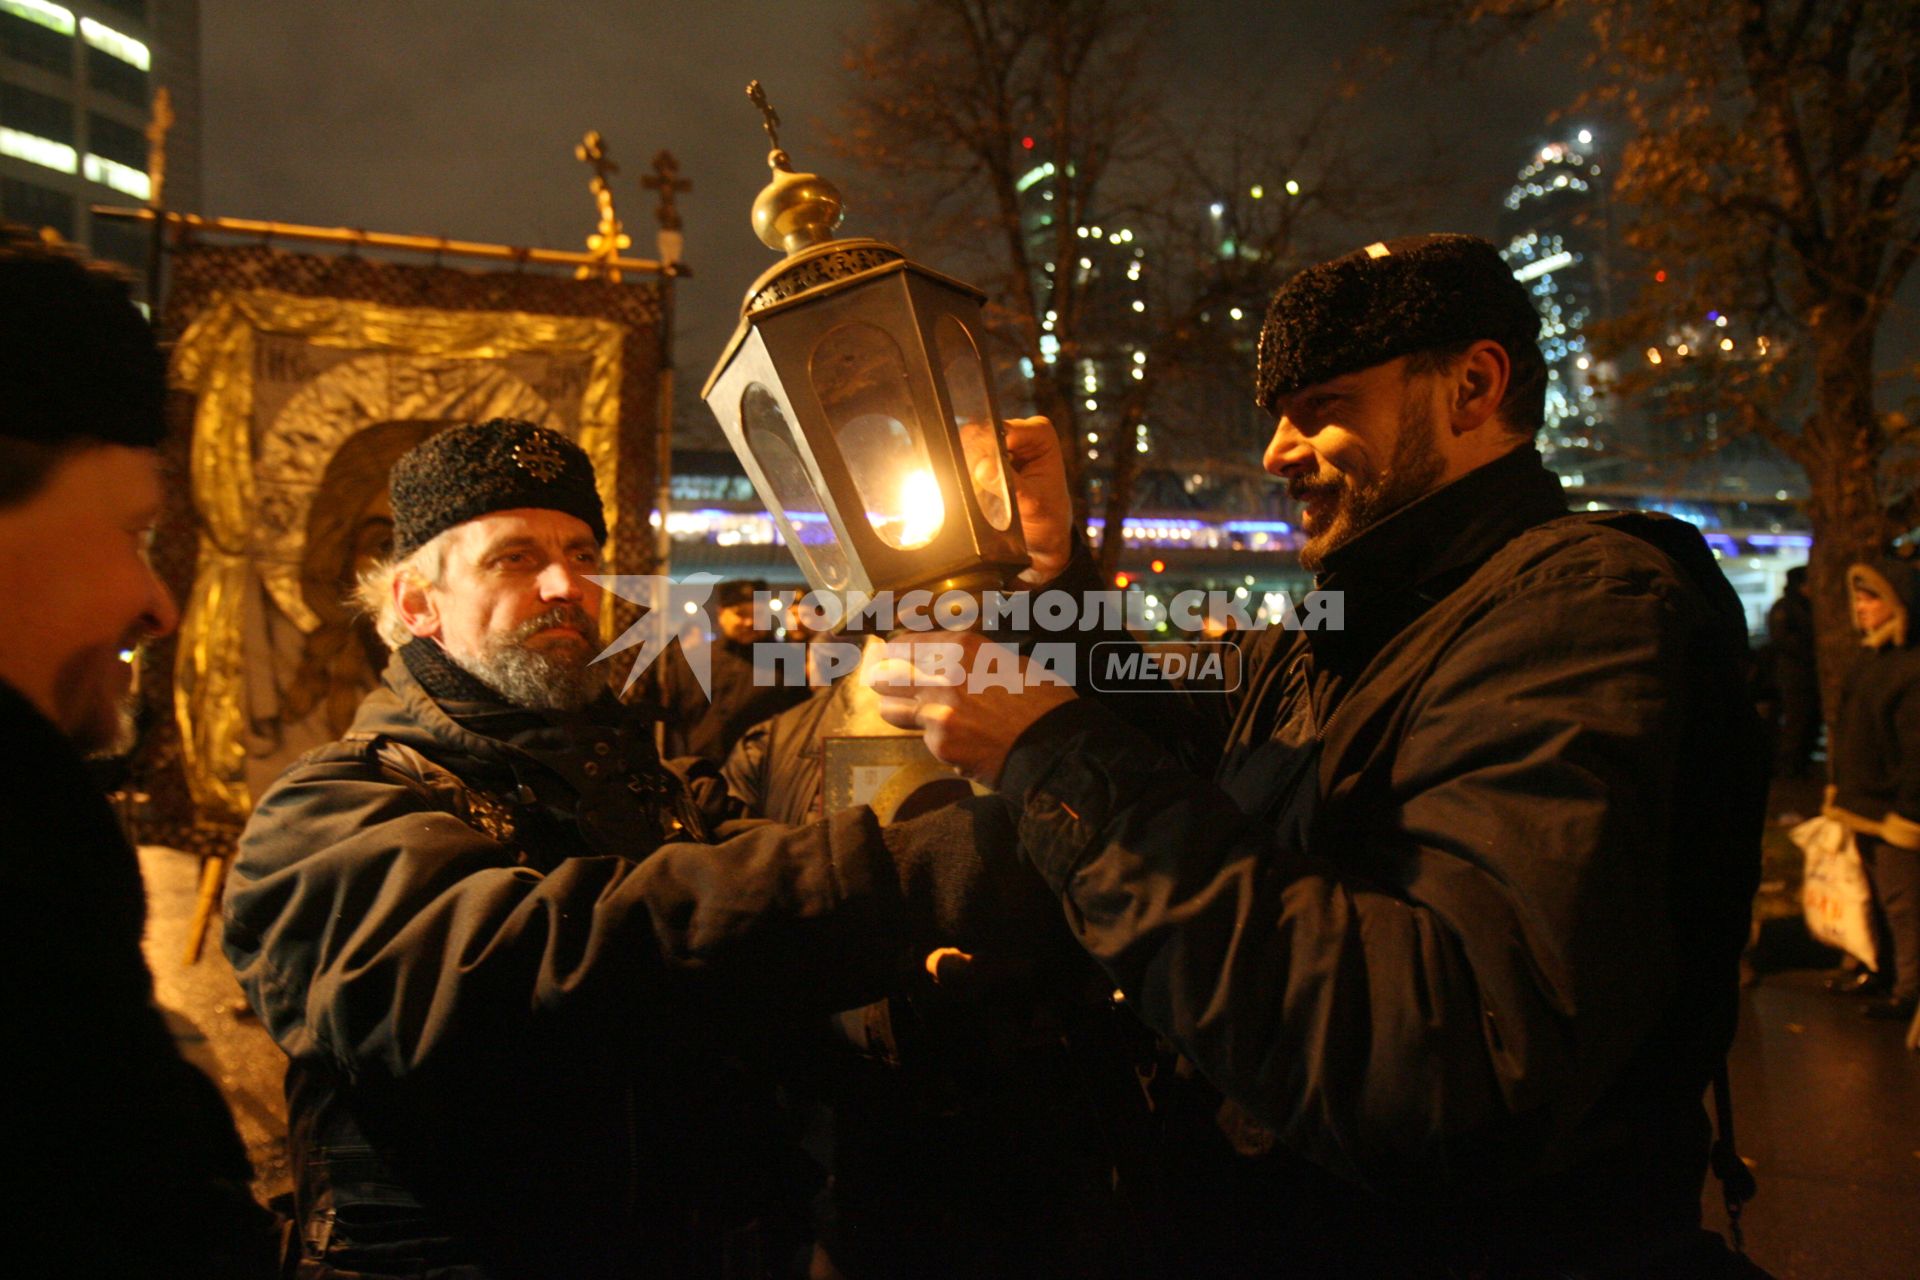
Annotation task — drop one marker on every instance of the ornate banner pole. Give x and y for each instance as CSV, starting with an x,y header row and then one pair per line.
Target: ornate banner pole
x,y
158,126
438,246
667,182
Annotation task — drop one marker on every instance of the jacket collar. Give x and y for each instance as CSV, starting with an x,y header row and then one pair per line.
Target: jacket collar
x,y
465,697
28,728
403,709
1453,528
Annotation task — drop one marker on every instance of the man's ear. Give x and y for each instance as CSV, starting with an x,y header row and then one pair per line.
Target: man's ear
x,y
1479,386
416,604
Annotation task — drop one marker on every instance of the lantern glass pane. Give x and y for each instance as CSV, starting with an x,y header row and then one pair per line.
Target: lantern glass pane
x,y
973,419
769,438
861,378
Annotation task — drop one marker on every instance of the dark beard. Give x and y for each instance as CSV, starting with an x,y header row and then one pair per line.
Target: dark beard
x,y
90,706
564,679
1409,474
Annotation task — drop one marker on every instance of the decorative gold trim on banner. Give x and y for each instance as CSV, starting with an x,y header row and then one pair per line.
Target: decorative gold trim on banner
x,y
253,497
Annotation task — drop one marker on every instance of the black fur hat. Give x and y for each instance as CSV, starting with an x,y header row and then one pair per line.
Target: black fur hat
x,y
1386,300
77,359
467,472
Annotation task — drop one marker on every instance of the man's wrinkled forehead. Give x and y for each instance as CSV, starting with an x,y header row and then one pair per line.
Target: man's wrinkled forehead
x,y
484,537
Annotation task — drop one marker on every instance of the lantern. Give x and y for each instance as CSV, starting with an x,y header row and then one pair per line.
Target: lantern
x,y
856,397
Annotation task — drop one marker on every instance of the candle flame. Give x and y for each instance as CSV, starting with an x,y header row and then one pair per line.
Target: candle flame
x,y
922,510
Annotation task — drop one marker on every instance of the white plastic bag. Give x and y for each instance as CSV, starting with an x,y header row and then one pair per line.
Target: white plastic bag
x,y
1836,896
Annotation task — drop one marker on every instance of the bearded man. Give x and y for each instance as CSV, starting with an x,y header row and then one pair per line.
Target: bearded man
x,y
519,967
1455,918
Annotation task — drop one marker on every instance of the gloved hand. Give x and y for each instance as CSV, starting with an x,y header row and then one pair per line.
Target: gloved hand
x,y
960,868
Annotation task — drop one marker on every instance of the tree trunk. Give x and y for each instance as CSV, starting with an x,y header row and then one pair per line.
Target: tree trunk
x,y
1119,504
1052,400
1845,510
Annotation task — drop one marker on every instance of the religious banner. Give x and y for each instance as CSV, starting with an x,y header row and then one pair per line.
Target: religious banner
x,y
303,380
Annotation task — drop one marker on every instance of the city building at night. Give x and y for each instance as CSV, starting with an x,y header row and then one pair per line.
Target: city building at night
x,y
1554,232
1110,332
77,80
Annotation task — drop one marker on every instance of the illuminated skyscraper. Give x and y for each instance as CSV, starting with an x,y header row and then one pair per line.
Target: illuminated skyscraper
x,y
1113,320
77,79
1554,235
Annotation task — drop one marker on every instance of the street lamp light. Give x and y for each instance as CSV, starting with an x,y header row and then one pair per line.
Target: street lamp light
x,y
856,397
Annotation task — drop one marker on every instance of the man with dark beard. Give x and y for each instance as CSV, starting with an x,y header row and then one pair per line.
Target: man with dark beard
x,y
126,1160
1454,922
519,967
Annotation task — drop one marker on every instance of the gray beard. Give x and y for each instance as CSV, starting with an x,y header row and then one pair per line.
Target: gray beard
x,y
535,680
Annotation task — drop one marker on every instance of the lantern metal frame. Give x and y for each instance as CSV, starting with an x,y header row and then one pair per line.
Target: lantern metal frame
x,y
770,385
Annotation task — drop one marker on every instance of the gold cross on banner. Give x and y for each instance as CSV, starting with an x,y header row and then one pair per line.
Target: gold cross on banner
x,y
666,180
609,239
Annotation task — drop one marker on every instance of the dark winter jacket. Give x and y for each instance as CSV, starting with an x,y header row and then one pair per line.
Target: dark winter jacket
x,y
1459,913
985,1125
512,1012
124,1158
1874,740
776,769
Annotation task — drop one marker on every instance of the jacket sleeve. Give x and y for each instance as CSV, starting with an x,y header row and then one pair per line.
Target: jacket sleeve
x,y
1901,826
747,764
379,932
1442,973
1189,717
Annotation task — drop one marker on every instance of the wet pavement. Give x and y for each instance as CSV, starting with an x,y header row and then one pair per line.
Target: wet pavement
x,y
1827,1103
1827,1114
203,1005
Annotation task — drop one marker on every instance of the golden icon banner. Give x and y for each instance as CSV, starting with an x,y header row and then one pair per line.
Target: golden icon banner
x,y
301,404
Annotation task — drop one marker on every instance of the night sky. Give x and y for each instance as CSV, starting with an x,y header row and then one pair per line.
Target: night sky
x,y
459,117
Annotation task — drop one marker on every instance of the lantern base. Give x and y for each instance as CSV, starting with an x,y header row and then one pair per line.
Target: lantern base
x,y
974,583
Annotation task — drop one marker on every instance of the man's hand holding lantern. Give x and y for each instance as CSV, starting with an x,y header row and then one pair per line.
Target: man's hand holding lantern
x,y
969,696
959,689
1040,487
1039,479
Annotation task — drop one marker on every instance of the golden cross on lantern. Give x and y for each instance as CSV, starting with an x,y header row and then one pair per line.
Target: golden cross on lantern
x,y
605,243
771,119
158,125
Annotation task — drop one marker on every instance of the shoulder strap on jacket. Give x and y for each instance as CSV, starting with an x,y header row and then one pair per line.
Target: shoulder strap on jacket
x,y
1683,544
489,815
1737,1185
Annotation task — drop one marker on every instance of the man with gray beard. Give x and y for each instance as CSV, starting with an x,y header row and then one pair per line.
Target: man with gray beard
x,y
519,967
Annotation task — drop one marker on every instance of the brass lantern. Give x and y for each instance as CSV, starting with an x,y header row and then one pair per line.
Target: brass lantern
x,y
856,397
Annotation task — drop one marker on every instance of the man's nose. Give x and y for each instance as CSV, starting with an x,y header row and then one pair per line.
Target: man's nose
x,y
1288,454
558,581
162,614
